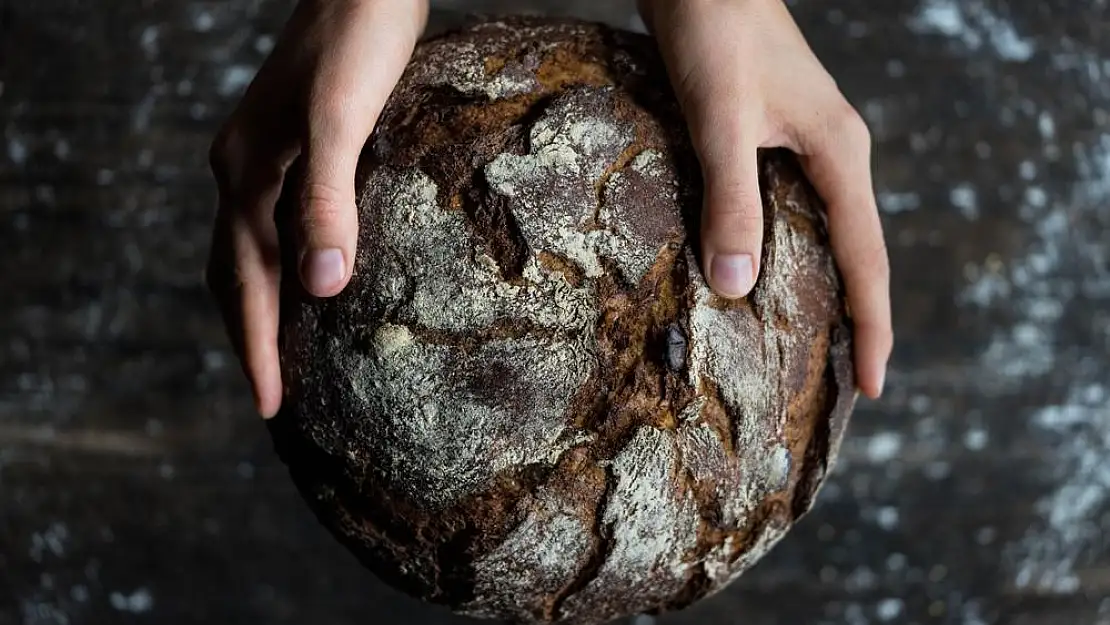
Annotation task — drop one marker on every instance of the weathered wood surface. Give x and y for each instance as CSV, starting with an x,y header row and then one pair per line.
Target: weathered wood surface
x,y
135,485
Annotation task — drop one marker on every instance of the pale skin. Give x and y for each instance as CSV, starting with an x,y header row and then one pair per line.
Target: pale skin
x,y
743,73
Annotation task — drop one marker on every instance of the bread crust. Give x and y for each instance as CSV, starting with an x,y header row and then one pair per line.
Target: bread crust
x,y
527,404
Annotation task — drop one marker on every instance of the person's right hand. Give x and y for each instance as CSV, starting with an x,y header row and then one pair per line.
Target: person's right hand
x,y
747,79
316,97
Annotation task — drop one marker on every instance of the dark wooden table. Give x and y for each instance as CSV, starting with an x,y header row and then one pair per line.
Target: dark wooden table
x,y
137,487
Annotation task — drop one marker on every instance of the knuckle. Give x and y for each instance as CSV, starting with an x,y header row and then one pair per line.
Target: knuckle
x,y
881,260
686,83
741,217
264,177
886,339
325,206
877,263
736,202
226,155
849,128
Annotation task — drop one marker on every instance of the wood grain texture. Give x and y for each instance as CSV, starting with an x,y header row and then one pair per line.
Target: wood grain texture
x,y
136,486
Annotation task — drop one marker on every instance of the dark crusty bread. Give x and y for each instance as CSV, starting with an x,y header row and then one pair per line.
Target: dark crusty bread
x,y
527,404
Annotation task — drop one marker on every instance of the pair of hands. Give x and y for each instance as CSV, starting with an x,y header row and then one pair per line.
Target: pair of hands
x,y
742,71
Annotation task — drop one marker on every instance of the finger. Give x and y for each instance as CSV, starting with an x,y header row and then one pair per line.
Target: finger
x,y
732,214
357,75
248,295
258,267
837,159
726,127
249,304
244,269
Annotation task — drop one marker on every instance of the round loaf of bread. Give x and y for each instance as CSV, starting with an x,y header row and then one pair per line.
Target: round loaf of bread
x,y
527,404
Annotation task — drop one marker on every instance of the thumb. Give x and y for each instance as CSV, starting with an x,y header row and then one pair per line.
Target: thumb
x,y
732,215
725,123
328,224
357,72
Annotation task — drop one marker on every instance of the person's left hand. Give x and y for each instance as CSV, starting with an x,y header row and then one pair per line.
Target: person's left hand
x,y
317,98
746,79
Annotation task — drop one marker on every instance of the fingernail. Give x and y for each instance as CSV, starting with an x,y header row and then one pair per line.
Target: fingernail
x,y
881,384
323,270
731,274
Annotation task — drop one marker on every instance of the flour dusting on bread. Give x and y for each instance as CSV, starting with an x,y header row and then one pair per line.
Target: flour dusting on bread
x,y
528,404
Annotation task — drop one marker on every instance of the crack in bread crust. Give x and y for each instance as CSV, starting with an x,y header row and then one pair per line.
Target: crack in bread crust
x,y
527,404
